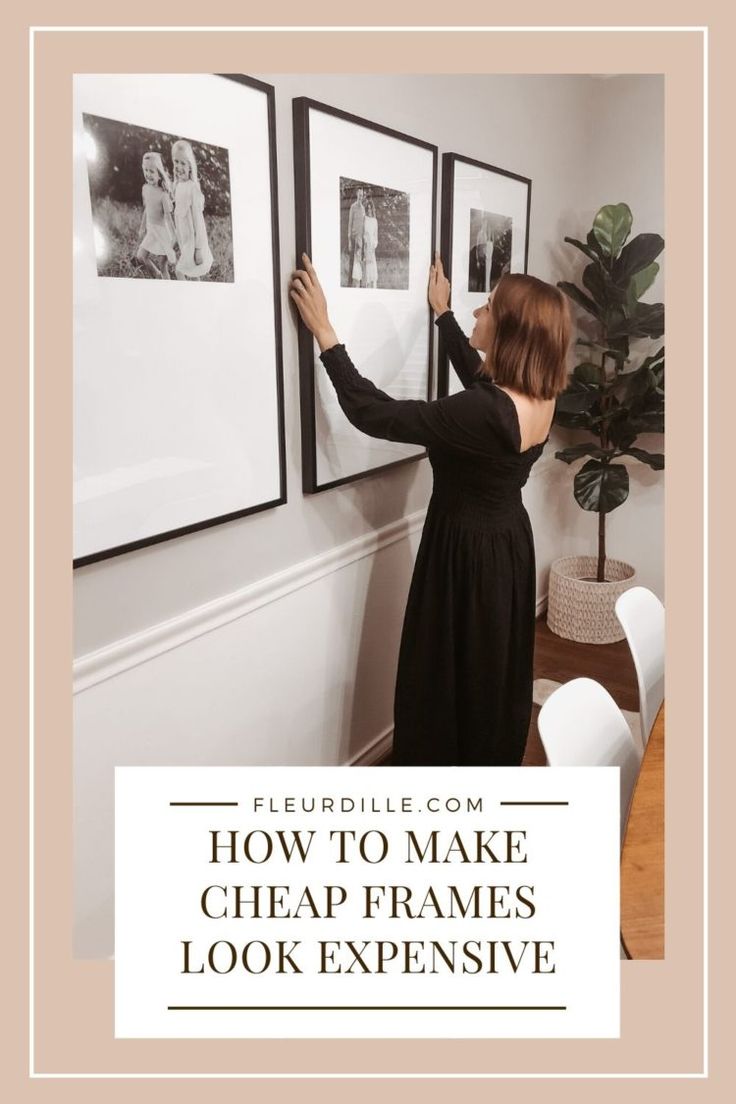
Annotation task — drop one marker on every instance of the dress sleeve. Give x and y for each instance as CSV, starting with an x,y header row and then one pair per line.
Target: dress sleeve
x,y
452,422
464,359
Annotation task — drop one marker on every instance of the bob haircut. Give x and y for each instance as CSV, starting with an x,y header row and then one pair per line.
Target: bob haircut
x,y
530,336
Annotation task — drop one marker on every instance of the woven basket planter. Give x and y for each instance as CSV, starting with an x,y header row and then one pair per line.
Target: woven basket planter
x,y
582,610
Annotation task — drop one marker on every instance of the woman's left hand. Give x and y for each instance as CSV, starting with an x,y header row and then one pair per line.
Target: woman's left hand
x,y
198,256
438,291
306,291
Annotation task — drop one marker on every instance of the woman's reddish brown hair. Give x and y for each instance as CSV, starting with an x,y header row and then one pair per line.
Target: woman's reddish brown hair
x,y
530,336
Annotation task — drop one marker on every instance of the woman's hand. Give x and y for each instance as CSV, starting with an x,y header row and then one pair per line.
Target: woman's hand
x,y
198,256
438,291
306,291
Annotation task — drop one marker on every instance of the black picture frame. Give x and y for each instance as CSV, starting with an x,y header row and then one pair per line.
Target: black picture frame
x,y
301,107
449,163
281,498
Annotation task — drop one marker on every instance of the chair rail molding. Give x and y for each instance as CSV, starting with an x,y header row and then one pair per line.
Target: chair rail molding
x,y
120,656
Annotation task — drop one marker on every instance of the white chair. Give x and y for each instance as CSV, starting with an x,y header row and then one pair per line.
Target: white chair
x,y
580,725
642,618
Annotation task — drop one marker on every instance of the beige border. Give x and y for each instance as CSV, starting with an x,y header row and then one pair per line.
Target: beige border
x,y
661,1026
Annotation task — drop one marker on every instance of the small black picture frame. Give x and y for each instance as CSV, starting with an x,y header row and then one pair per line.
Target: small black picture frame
x,y
479,201
331,453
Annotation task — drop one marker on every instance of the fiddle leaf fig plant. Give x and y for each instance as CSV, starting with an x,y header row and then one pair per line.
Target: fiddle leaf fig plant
x,y
612,394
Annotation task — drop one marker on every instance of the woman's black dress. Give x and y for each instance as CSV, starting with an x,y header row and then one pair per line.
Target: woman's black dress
x,y
464,682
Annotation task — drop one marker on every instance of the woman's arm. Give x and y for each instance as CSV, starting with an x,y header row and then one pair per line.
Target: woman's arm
x,y
451,423
454,422
464,358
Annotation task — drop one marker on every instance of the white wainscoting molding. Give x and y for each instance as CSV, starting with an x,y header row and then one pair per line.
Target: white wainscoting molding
x,y
378,749
114,659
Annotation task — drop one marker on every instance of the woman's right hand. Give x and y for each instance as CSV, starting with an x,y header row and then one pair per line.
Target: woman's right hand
x,y
438,291
306,291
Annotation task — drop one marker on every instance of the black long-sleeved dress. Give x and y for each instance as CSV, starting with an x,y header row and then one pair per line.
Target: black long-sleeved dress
x,y
464,681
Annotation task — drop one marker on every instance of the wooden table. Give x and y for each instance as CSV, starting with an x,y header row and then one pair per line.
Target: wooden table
x,y
642,858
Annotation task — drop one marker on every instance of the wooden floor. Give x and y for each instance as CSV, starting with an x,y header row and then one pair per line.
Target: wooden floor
x,y
561,660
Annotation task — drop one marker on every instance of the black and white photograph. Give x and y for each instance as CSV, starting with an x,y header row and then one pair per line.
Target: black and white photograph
x,y
489,249
374,236
161,206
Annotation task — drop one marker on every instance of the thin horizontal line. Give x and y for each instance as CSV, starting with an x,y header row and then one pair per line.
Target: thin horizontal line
x,y
367,1008
372,1076
312,28
208,803
534,802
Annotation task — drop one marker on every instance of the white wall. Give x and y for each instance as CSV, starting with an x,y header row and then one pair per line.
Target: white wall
x,y
274,638
623,163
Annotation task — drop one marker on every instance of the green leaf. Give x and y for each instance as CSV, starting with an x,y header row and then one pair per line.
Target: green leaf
x,y
651,422
632,385
612,226
642,281
636,256
622,429
655,460
601,487
574,452
588,372
595,245
603,291
576,420
615,353
586,249
576,401
594,281
620,326
621,346
652,361
649,320
657,371
623,436
580,298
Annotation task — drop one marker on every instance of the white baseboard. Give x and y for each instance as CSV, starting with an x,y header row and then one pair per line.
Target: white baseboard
x,y
380,748
138,648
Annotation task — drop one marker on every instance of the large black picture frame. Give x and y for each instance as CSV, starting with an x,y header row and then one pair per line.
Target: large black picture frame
x,y
454,252
303,108
277,460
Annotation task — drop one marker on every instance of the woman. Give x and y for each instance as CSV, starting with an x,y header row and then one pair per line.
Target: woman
x,y
370,241
464,683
